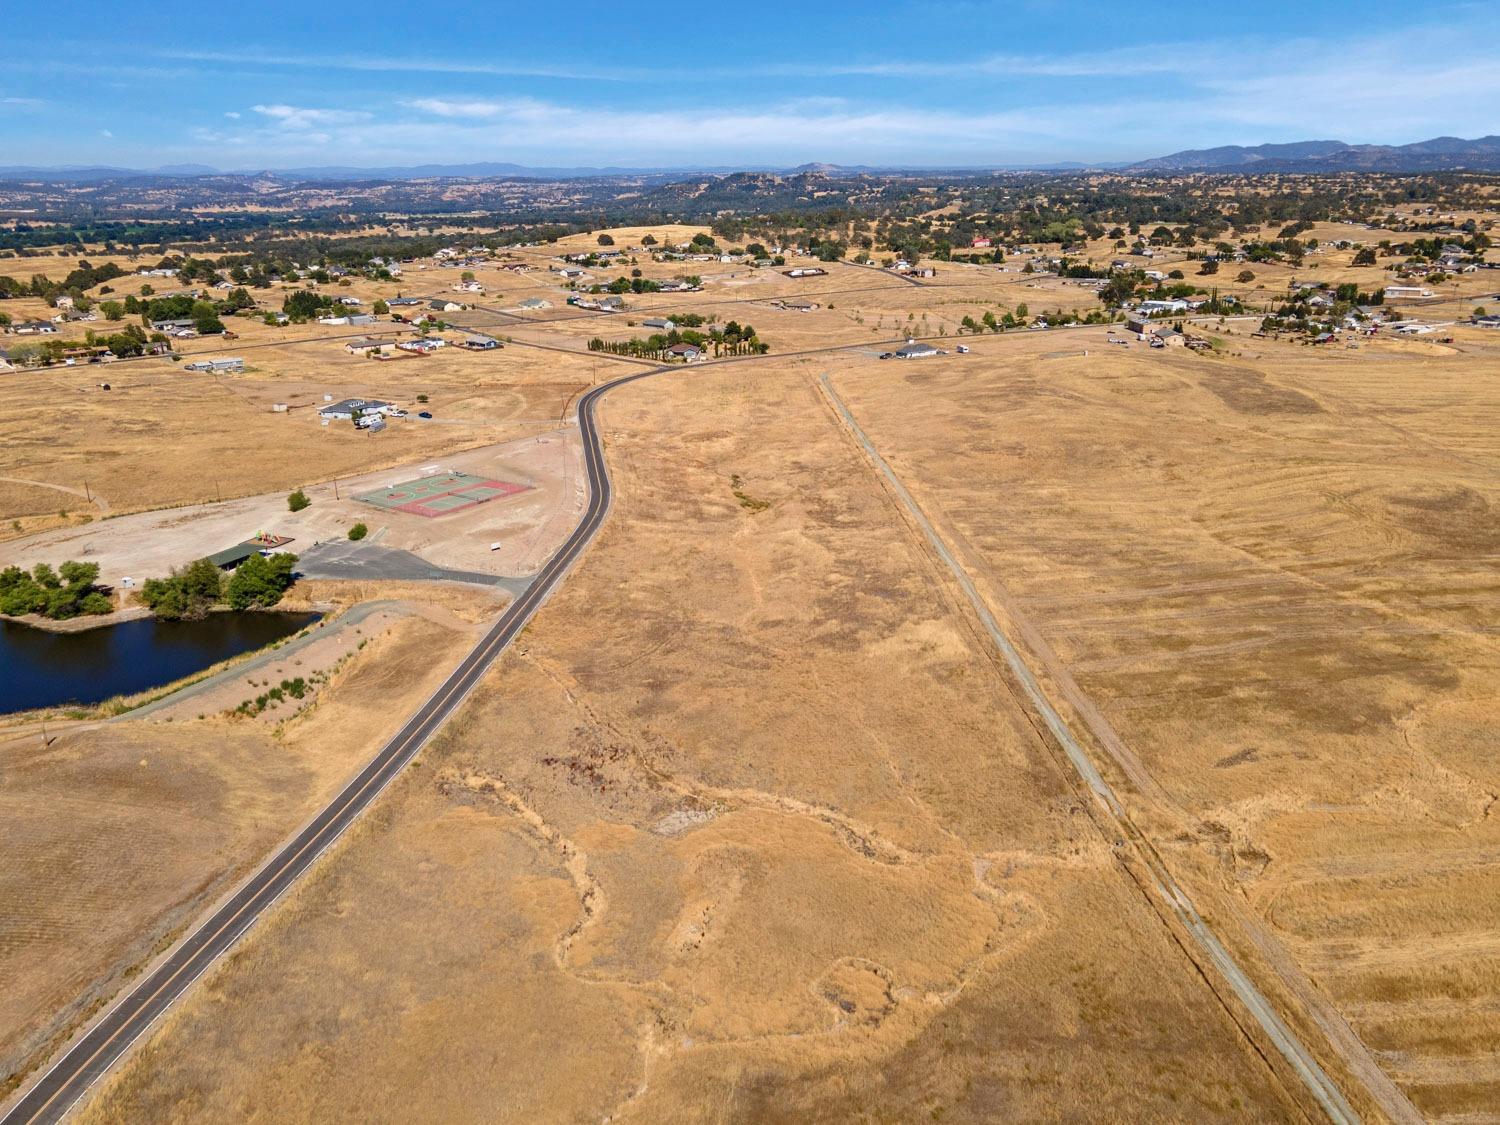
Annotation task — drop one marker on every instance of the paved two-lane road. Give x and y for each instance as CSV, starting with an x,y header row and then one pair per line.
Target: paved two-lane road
x,y
92,1054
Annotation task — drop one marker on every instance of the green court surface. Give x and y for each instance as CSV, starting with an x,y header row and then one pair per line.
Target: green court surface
x,y
439,494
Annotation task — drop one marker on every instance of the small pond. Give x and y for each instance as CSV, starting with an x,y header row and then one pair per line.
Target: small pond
x,y
44,669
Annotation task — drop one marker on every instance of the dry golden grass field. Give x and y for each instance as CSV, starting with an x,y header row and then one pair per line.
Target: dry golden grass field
x,y
759,826
1275,580
118,834
753,815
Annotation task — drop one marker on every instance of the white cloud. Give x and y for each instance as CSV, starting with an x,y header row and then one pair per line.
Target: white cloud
x,y
105,133
1388,87
445,108
302,117
232,115
25,103
407,63
540,131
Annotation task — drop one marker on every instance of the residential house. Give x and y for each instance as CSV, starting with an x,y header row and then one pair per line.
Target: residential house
x,y
1406,292
915,350
442,304
1151,308
364,344
480,343
796,304
346,410
232,366
686,352
34,328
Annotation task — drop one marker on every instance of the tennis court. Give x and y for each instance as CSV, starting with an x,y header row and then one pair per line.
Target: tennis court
x,y
440,495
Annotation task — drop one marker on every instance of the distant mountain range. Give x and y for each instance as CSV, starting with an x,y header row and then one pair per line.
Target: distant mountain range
x,y
84,173
1439,154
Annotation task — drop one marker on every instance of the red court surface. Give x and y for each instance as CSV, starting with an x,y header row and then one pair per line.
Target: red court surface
x,y
441,495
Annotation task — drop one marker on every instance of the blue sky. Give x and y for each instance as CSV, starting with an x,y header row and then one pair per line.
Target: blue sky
x,y
930,82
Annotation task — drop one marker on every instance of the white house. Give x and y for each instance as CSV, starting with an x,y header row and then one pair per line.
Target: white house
x,y
232,366
344,411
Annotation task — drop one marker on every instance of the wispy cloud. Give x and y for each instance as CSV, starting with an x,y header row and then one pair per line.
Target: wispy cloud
x,y
535,129
22,103
302,117
410,64
444,107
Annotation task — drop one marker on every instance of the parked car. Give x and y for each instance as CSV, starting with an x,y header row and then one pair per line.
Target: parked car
x,y
424,414
887,355
962,349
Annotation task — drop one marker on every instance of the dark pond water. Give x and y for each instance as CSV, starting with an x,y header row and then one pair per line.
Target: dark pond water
x,y
42,669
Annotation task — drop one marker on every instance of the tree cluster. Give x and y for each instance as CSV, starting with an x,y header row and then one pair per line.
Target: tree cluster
x,y
68,591
190,592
